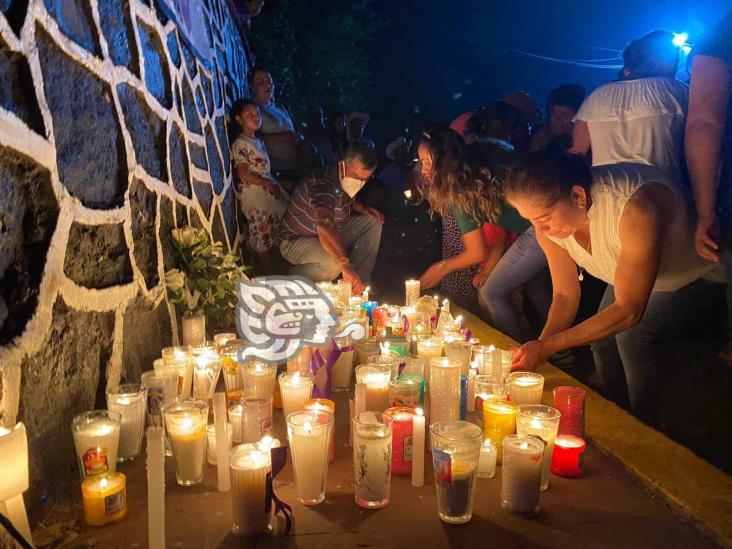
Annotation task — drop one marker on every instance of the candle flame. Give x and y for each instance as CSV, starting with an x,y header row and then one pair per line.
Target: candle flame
x,y
408,194
267,441
487,443
258,368
103,484
419,412
384,348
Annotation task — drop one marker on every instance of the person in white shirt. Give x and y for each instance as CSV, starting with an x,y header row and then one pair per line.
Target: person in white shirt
x,y
639,118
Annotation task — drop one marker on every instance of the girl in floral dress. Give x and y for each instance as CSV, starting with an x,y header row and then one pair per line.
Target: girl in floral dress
x,y
261,199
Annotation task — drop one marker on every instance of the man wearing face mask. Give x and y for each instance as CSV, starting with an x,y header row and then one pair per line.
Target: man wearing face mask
x,y
321,237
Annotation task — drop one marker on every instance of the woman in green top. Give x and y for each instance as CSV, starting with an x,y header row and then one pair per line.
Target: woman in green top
x,y
463,183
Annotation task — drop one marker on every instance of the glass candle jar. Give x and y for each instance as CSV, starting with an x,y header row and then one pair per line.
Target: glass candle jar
x,y
570,401
499,421
460,351
411,291
444,390
429,348
323,405
376,378
406,391
206,371
256,418
96,440
372,449
521,474
230,366
259,379
391,359
342,371
249,466
488,459
365,349
309,435
185,421
129,401
567,456
525,387
541,421
295,388
402,438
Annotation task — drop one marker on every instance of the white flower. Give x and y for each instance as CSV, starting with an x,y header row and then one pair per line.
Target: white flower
x,y
187,236
175,280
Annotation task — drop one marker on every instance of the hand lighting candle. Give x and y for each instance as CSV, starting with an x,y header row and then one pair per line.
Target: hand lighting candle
x,y
296,388
309,435
129,401
185,421
521,474
96,439
376,378
525,387
541,421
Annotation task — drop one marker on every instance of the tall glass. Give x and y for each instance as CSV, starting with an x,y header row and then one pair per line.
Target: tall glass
x,y
455,456
372,438
392,360
249,469
444,390
259,379
186,421
570,401
96,439
365,349
295,388
256,418
206,371
402,439
309,436
521,474
414,367
460,351
543,422
179,357
230,367
342,372
376,378
129,400
162,388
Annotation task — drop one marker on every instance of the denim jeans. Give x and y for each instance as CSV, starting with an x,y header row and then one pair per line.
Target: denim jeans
x,y
523,264
360,235
630,363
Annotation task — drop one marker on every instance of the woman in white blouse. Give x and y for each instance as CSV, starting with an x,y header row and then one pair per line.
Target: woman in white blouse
x,y
627,225
639,118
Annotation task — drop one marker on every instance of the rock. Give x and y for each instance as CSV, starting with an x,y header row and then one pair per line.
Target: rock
x,y
157,73
179,162
224,145
167,224
67,377
196,219
75,20
114,16
200,102
28,215
189,58
143,206
198,156
214,161
15,12
230,210
90,151
173,51
97,256
17,94
217,228
146,330
181,215
208,92
178,101
147,131
217,86
189,108
204,193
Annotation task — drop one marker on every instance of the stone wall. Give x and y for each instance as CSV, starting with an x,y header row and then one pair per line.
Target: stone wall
x,y
112,133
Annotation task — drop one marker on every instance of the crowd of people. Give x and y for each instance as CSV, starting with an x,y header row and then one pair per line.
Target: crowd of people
x,y
631,184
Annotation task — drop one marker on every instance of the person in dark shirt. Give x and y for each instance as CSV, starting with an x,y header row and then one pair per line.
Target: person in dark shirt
x,y
320,236
708,143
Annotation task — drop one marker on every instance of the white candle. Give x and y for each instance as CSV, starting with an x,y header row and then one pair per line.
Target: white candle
x,y
525,387
542,421
223,339
156,487
444,390
186,424
376,378
309,436
222,453
180,359
471,390
14,477
487,460
295,388
259,379
418,448
194,329
365,295
429,348
249,468
460,351
129,401
256,418
344,292
211,450
372,443
411,290
236,413
96,439
521,474
206,370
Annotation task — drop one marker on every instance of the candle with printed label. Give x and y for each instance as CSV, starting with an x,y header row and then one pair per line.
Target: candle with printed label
x,y
402,438
96,439
104,498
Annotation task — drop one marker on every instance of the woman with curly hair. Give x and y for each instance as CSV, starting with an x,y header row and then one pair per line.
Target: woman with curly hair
x,y
463,185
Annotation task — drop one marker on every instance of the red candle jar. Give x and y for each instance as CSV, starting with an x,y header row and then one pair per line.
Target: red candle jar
x,y
401,450
323,405
567,459
570,401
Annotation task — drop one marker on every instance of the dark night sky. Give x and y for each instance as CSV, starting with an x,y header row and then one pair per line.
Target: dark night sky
x,y
433,51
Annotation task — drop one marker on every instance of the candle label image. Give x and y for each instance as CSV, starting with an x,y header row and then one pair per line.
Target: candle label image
x,y
95,461
408,443
114,503
365,477
443,467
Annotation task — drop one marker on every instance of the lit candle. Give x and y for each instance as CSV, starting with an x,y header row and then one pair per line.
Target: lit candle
x,y
429,348
14,477
471,390
206,370
323,405
129,401
156,487
525,387
372,455
309,435
185,421
161,390
342,371
499,421
344,292
402,438
414,367
250,466
412,316
222,340
230,367
180,358
418,448
567,456
104,498
444,390
366,349
541,421
487,460
406,391
376,378
296,388
256,418
460,351
223,441
236,413
365,295
411,290
259,379
269,443
521,474
96,439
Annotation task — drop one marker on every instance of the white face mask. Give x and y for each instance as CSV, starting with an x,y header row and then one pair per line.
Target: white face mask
x,y
350,185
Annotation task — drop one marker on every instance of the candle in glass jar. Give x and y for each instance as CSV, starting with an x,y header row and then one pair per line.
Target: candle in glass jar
x,y
429,348
376,379
249,469
309,434
444,390
402,438
521,474
342,371
194,329
185,421
499,421
570,401
487,460
460,351
418,448
259,379
411,290
129,401
295,388
230,367
323,405
256,418
179,357
206,370
344,292
222,340
211,438
567,456
406,391
96,439
104,498
471,390
543,422
525,387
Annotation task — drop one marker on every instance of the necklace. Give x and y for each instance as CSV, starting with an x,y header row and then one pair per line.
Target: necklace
x,y
581,276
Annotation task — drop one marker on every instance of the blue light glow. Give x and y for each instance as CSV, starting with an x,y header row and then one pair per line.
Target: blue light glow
x,y
680,39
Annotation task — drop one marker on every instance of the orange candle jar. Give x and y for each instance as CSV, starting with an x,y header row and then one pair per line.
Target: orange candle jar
x,y
105,498
323,405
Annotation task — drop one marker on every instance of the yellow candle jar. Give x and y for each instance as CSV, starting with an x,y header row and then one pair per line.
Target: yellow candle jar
x,y
499,421
105,498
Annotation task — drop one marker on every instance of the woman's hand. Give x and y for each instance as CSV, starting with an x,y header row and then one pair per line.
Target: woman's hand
x,y
529,356
432,276
480,278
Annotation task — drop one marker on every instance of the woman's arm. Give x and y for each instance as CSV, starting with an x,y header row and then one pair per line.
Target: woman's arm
x,y
253,179
580,138
494,254
473,253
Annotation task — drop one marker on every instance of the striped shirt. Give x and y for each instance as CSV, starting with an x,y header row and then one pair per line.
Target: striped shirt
x,y
316,200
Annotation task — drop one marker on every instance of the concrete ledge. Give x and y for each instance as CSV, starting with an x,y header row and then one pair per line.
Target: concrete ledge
x,y
681,477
